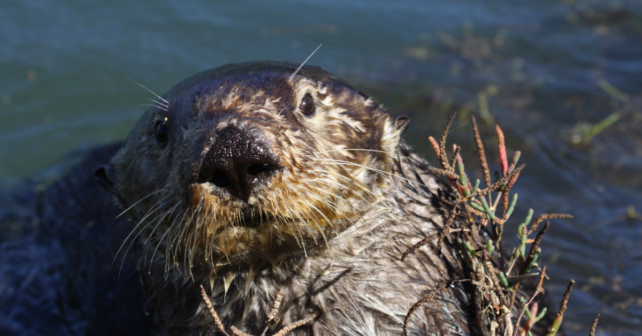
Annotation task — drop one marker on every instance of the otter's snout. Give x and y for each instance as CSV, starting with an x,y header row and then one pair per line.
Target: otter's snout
x,y
238,161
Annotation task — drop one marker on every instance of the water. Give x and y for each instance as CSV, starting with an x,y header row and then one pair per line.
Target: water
x,y
543,68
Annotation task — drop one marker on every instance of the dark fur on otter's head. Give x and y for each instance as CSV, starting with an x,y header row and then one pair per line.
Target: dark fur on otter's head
x,y
246,162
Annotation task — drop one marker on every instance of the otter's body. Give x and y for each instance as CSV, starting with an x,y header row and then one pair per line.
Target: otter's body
x,y
356,283
250,179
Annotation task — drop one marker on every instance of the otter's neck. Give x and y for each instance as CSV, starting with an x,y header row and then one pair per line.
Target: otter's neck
x,y
356,284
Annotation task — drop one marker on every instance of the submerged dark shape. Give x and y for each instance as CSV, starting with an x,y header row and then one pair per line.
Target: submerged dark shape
x,y
234,182
67,279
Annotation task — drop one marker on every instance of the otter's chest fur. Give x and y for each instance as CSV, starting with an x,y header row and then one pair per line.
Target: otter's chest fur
x,y
356,283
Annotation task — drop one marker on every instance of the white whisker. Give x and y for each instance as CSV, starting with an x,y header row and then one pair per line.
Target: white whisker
x,y
160,221
152,92
302,64
155,192
153,208
156,206
158,102
348,163
352,149
158,107
354,183
161,240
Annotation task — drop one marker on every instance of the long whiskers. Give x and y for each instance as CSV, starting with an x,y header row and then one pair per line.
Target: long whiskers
x,y
352,182
352,149
334,207
348,163
159,103
155,207
161,240
330,199
133,205
152,92
154,105
159,222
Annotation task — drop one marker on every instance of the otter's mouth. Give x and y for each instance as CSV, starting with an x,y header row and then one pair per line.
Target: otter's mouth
x,y
253,217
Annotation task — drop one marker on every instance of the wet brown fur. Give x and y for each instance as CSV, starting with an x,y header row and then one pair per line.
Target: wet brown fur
x,y
348,198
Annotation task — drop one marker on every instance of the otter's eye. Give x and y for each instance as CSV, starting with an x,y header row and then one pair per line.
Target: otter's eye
x,y
307,105
162,134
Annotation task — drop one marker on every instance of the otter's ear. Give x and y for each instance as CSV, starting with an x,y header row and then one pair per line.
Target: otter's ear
x,y
401,122
394,127
101,176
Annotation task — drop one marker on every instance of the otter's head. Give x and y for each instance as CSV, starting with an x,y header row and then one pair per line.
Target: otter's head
x,y
244,163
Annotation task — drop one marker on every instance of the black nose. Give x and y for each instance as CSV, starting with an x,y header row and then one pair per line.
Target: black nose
x,y
238,161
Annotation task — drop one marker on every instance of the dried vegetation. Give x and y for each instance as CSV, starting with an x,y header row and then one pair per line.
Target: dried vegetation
x,y
478,225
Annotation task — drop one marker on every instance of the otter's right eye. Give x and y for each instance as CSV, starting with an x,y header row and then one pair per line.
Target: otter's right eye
x,y
162,134
307,105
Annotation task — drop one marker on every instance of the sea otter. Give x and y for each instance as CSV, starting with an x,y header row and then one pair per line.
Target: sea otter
x,y
254,178
258,178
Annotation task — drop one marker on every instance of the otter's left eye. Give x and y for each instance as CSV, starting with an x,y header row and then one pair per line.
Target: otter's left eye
x,y
307,105
162,134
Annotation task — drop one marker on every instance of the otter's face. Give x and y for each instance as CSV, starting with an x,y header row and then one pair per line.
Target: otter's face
x,y
245,163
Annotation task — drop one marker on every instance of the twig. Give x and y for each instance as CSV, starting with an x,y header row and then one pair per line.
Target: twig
x,y
446,229
566,296
500,182
531,321
497,284
442,144
473,211
594,325
534,246
453,160
208,304
275,309
482,154
418,245
527,262
444,172
560,316
545,217
505,195
295,325
237,332
538,290
272,319
419,303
